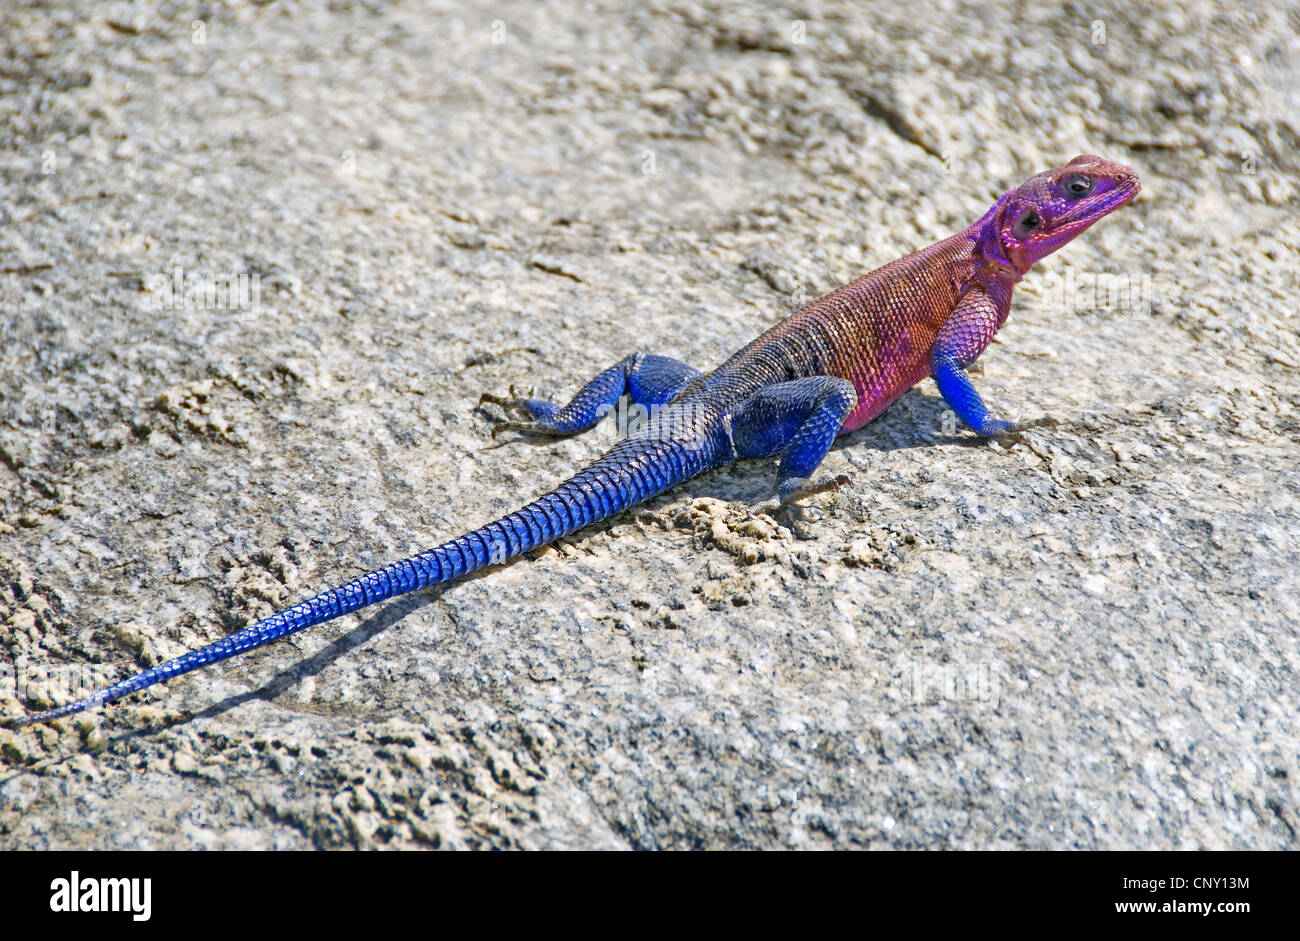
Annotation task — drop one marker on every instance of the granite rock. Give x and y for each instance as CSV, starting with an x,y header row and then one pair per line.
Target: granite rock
x,y
256,270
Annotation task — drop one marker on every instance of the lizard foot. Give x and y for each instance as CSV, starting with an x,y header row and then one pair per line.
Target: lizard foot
x,y
523,414
1007,433
515,402
529,427
796,488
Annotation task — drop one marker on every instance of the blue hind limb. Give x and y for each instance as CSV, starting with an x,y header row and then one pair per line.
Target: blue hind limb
x,y
797,420
646,379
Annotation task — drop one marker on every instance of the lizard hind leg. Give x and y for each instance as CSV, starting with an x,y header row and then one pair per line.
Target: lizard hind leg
x,y
647,379
798,420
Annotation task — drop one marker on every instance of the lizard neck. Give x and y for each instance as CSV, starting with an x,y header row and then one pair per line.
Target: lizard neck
x,y
989,266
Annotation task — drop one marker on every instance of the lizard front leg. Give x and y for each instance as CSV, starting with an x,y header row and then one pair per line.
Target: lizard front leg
x,y
799,420
963,337
648,380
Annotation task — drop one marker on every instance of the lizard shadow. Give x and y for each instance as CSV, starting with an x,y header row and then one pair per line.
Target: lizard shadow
x,y
905,425
290,676
744,481
280,683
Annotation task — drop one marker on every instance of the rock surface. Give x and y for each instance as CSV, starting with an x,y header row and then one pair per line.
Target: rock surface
x,y
1090,639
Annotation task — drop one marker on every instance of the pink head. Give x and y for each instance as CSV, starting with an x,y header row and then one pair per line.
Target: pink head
x,y
1050,208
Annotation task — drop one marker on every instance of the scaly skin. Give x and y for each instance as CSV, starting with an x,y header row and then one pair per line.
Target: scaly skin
x,y
829,369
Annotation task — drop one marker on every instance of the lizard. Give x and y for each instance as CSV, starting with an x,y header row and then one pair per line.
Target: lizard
x,y
828,369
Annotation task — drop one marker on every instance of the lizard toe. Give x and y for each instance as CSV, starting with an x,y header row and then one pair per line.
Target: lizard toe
x,y
511,426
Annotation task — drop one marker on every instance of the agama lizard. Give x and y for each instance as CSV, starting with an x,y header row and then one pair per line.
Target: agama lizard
x,y
828,369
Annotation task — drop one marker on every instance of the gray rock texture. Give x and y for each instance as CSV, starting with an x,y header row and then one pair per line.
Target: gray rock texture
x,y
1090,639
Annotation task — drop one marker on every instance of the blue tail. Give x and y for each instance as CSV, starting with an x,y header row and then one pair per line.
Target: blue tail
x,y
633,471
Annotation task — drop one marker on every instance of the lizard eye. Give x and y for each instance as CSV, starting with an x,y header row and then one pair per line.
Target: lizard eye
x,y
1078,185
1026,224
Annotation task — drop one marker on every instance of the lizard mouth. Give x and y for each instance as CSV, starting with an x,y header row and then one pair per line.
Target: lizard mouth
x,y
1125,192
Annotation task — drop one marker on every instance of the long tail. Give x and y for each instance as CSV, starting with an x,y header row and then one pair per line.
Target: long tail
x,y
633,471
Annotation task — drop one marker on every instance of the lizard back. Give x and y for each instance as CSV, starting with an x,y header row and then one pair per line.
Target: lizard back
x,y
876,332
